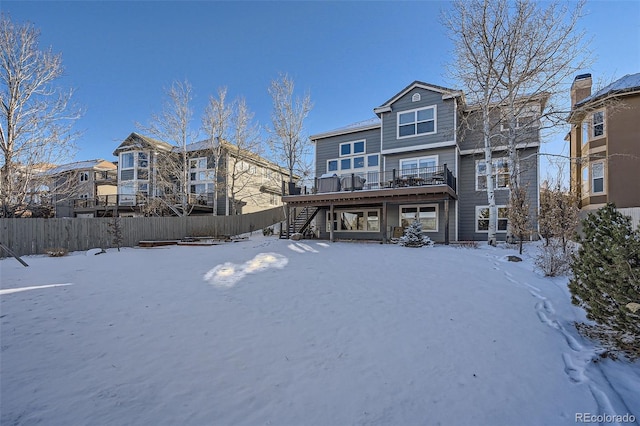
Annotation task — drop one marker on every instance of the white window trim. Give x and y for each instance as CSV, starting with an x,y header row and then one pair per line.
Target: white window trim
x,y
498,207
416,97
337,212
494,170
351,152
337,166
435,121
592,178
417,160
418,207
531,111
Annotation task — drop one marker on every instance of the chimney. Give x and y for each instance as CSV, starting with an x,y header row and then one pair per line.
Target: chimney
x,y
581,88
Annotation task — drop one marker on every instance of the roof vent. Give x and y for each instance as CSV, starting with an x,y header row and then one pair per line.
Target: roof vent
x,y
415,97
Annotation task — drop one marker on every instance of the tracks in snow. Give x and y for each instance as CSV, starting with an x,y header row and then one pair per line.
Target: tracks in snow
x,y
577,358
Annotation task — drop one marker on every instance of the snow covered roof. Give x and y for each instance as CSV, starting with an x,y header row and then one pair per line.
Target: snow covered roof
x,y
82,165
628,83
370,123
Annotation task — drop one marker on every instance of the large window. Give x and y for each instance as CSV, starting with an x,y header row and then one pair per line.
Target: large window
x,y
417,122
353,220
500,174
427,215
202,178
482,219
419,165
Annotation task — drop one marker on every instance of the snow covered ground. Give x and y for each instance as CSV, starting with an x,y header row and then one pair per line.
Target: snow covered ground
x,y
275,332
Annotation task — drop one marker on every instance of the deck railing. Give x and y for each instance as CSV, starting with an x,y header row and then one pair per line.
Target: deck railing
x,y
395,178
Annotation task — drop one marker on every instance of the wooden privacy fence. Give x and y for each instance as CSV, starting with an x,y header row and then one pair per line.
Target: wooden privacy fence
x,y
35,236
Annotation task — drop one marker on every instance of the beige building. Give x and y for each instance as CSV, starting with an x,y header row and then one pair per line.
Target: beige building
x,y
605,141
84,188
147,174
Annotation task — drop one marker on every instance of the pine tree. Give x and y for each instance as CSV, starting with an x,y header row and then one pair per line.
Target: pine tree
x,y
607,274
413,236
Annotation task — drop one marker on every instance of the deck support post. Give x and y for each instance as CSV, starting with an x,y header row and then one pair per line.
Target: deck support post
x,y
331,222
384,223
446,221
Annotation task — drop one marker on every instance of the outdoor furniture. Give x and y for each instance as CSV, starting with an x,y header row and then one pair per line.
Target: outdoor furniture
x,y
353,182
329,184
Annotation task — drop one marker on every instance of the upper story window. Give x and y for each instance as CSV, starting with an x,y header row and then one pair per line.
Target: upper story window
x,y
592,126
417,122
527,117
416,97
84,176
499,172
352,148
134,165
409,166
198,163
482,218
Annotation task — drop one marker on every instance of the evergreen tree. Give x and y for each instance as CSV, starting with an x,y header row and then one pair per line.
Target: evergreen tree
x,y
607,274
413,236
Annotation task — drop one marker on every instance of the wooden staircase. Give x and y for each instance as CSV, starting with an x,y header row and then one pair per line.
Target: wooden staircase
x,y
301,222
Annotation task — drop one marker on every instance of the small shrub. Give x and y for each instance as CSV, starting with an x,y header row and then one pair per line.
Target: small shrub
x,y
413,236
469,244
57,252
554,259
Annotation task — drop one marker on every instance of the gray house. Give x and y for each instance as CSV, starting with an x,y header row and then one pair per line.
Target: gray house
x,y
419,158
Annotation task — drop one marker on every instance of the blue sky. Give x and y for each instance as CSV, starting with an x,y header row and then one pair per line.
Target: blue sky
x,y
350,56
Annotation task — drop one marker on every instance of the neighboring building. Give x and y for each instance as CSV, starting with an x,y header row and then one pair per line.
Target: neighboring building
x,y
147,183
83,189
605,139
415,160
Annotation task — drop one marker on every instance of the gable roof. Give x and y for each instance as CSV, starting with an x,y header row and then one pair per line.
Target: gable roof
x,y
445,91
628,83
372,123
138,140
97,164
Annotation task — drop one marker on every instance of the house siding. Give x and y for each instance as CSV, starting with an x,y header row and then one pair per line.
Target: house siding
x,y
444,125
329,148
469,198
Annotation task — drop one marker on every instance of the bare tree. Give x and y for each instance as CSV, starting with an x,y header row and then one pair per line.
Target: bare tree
x,y
287,140
215,123
36,116
520,54
476,31
173,125
519,214
246,148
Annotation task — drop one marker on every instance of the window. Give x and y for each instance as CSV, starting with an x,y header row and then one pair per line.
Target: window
x,y
332,165
500,174
416,97
354,221
417,122
597,177
126,160
482,219
345,164
351,148
527,117
419,165
373,160
598,124
84,176
585,181
198,163
143,160
426,214
358,162
273,199
592,127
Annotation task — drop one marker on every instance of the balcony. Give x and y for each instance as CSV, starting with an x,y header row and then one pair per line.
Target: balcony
x,y
405,185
